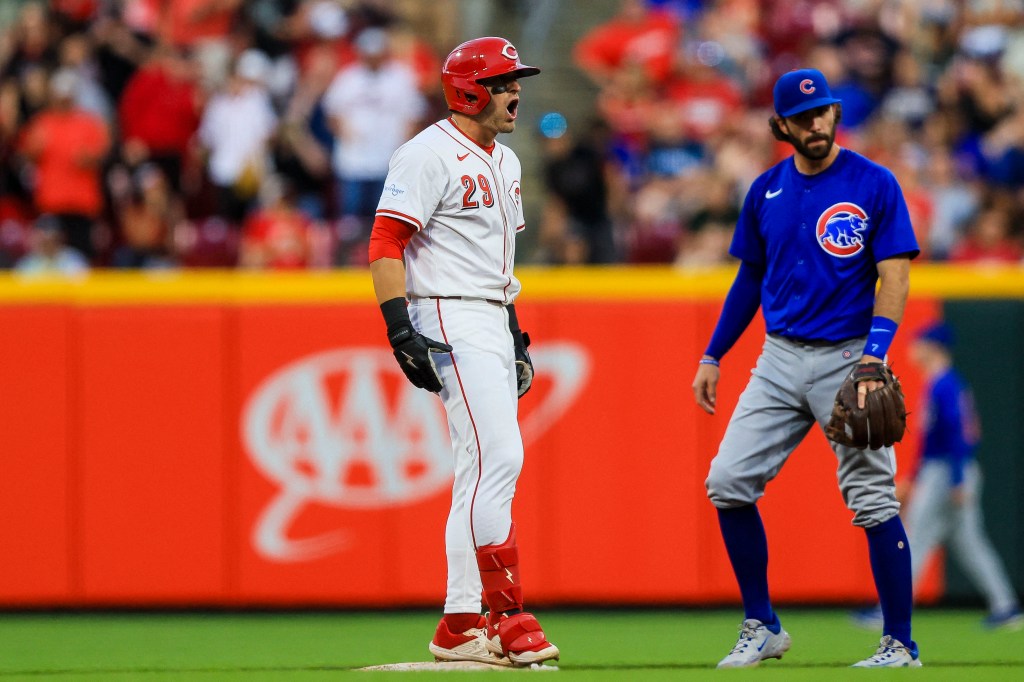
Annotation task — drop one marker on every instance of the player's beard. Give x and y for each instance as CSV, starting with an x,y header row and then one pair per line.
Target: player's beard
x,y
496,118
505,126
817,152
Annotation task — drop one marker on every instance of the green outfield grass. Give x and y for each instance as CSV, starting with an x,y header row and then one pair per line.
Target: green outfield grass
x,y
596,645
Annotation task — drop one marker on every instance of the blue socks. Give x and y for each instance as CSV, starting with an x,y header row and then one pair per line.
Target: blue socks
x,y
747,545
890,565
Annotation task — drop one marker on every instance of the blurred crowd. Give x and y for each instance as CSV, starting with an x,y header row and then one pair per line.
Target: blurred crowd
x,y
257,133
167,133
932,89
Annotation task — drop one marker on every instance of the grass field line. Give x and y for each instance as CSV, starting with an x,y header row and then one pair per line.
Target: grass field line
x,y
626,667
649,645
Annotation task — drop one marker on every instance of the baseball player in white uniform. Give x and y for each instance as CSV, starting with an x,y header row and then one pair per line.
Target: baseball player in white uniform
x,y
452,206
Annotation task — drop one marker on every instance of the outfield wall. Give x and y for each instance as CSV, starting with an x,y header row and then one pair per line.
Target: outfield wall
x,y
230,438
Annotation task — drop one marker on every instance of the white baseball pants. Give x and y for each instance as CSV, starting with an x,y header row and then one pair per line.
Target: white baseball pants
x,y
481,401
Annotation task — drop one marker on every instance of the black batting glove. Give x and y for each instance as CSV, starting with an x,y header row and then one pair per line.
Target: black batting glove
x,y
412,349
520,341
524,365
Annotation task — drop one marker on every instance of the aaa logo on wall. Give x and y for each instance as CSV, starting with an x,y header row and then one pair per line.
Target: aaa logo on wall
x,y
345,429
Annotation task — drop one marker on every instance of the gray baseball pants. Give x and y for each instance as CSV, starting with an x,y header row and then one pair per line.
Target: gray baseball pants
x,y
793,385
932,519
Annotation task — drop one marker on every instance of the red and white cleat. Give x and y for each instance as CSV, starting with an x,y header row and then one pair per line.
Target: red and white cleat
x,y
470,645
519,638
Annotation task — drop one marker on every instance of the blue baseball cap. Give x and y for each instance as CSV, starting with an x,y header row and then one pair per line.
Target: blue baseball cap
x,y
938,333
801,90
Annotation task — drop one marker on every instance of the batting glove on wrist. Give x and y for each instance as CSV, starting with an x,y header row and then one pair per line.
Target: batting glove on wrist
x,y
524,365
413,352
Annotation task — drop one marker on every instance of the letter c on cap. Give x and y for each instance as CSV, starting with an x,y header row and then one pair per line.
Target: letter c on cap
x,y
807,86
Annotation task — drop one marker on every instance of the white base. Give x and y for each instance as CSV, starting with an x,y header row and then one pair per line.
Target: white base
x,y
450,665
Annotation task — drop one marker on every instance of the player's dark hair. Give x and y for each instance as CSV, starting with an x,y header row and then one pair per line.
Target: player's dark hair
x,y
773,123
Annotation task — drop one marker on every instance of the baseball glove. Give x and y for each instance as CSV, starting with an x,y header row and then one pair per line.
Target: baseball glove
x,y
883,419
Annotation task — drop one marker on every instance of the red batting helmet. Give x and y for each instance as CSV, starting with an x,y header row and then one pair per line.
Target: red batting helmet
x,y
476,60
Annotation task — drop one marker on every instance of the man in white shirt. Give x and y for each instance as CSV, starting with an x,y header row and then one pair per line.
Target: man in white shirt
x,y
374,106
236,128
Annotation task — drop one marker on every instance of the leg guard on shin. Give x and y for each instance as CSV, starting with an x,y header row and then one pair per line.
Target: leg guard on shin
x,y
511,632
499,573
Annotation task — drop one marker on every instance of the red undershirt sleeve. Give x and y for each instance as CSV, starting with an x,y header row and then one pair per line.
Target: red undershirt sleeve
x,y
389,238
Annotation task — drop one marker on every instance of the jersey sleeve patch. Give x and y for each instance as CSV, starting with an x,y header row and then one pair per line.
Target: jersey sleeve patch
x,y
396,192
416,180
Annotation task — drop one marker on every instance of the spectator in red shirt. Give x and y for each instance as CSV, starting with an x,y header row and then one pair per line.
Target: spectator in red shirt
x,y
159,111
278,235
67,145
989,240
628,103
203,26
637,35
704,98
76,13
187,22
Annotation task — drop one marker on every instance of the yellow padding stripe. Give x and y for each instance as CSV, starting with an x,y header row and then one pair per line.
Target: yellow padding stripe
x,y
592,283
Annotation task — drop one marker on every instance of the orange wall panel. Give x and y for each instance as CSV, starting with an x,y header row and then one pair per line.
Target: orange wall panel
x,y
239,453
612,473
35,491
318,521
150,418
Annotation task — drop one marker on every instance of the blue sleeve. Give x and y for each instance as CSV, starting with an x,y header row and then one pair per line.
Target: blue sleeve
x,y
741,304
893,235
747,242
948,422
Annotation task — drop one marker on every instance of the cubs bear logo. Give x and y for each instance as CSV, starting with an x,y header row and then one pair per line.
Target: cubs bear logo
x,y
840,229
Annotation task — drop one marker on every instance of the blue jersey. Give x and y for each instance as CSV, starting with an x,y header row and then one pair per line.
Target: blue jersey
x,y
951,426
818,239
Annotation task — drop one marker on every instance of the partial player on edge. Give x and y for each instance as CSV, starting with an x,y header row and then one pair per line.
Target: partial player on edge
x,y
944,492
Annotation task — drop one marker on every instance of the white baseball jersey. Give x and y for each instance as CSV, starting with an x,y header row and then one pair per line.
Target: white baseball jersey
x,y
466,206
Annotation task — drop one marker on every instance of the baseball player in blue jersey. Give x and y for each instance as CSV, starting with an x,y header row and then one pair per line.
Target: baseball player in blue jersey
x,y
817,232
944,498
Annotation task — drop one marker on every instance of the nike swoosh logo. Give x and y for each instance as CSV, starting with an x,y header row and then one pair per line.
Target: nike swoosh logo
x,y
876,329
462,157
765,641
771,195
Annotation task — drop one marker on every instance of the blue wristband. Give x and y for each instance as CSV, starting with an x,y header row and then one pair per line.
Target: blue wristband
x,y
883,330
708,361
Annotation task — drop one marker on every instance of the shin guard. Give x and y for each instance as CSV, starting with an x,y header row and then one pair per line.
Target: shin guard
x,y
499,573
